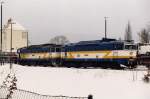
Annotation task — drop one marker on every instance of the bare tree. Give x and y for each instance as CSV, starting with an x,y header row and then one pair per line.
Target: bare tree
x,y
119,39
144,36
128,33
61,40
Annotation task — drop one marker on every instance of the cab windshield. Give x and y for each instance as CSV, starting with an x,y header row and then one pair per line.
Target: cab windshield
x,y
130,47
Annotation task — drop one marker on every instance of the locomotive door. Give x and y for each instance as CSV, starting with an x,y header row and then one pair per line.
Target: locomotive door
x,y
115,60
115,53
56,56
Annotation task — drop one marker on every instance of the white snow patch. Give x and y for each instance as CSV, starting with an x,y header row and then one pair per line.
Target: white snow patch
x,y
101,83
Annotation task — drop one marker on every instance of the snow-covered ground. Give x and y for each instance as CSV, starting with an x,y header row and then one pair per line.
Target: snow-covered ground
x,y
101,83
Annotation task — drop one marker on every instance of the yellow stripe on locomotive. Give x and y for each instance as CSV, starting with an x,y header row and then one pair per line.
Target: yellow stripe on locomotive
x,y
35,55
46,55
101,54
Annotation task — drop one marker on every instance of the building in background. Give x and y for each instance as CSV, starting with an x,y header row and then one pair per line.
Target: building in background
x,y
19,36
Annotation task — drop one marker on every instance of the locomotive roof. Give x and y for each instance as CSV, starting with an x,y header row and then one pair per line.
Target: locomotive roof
x,y
103,41
98,41
40,46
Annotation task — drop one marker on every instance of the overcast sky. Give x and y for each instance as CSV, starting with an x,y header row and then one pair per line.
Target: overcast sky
x,y
77,19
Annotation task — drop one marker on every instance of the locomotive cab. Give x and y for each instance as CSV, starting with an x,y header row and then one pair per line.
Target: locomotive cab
x,y
131,51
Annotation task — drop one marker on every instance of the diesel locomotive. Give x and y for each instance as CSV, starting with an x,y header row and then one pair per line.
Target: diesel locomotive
x,y
106,53
45,55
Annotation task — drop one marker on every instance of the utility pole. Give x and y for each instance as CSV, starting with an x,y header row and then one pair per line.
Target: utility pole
x,y
11,23
105,27
1,23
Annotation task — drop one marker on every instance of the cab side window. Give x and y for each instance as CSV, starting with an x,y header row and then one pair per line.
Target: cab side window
x,y
130,47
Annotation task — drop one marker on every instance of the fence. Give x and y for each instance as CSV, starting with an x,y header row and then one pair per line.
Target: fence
x,y
7,57
22,94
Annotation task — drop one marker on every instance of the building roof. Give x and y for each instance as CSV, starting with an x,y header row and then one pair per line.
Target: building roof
x,y
15,25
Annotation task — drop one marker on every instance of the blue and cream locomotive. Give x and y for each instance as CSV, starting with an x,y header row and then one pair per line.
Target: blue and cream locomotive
x,y
45,55
98,53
